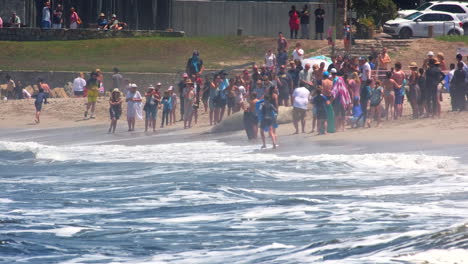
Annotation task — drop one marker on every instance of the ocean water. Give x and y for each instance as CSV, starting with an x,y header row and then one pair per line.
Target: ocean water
x,y
208,202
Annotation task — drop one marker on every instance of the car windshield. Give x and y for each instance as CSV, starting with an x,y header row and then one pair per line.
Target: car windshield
x,y
424,7
413,16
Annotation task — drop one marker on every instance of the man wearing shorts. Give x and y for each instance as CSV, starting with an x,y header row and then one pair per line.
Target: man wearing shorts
x,y
300,102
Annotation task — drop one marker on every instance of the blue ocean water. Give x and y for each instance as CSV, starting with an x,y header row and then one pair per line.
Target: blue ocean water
x,y
208,202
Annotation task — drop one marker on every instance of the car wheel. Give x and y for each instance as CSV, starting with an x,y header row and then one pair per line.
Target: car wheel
x,y
405,33
454,32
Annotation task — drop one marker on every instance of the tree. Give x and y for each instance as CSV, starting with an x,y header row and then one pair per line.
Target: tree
x,y
378,10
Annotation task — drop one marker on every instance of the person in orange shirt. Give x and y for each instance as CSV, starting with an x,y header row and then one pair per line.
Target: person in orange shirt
x,y
384,60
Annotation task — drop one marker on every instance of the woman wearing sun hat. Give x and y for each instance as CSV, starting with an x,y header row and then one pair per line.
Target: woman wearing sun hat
x,y
133,100
115,109
414,91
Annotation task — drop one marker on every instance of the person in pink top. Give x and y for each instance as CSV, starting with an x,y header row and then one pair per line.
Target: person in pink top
x,y
355,85
75,20
1,22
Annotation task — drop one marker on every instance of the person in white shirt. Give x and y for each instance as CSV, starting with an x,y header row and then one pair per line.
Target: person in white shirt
x,y
270,60
366,70
78,85
300,102
306,77
298,53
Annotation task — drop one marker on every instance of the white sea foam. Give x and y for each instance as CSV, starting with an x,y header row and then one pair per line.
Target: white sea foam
x,y
439,256
216,152
67,231
6,200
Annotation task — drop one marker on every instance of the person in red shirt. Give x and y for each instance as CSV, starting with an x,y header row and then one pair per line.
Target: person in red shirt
x,y
293,22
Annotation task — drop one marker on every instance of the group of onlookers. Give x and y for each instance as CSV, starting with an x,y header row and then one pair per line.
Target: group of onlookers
x,y
301,20
55,18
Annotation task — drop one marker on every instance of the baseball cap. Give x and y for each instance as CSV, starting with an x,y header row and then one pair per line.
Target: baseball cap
x,y
430,53
158,84
151,87
333,70
326,73
170,88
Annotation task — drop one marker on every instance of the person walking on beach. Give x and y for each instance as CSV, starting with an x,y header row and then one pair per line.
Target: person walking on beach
x,y
267,114
92,88
115,109
41,97
133,100
151,108
305,21
167,108
319,22
293,22
79,85
46,22
300,103
458,85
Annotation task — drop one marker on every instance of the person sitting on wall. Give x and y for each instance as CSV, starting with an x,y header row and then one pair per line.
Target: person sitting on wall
x,y
102,21
15,20
114,24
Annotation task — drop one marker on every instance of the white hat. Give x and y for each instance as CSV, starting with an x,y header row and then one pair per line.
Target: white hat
x,y
430,53
158,84
151,86
133,85
170,88
333,70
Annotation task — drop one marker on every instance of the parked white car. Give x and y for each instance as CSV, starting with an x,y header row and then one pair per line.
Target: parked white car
x,y
459,8
417,25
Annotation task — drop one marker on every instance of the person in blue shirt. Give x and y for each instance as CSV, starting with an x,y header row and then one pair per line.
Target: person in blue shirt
x,y
102,22
267,113
320,105
365,97
357,113
167,108
41,97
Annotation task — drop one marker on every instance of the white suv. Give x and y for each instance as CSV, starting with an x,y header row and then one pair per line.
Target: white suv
x,y
459,8
417,24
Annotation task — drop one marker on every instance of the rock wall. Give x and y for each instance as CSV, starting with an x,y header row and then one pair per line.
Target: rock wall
x,y
37,34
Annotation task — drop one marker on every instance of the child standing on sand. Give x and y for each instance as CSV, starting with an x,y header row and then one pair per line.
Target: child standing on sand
x,y
41,97
167,108
115,109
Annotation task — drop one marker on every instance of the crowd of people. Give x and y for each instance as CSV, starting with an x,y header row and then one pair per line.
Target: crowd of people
x,y
349,91
54,18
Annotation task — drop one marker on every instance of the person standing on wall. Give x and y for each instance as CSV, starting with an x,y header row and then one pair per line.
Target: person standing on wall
x,y
75,20
305,21
293,22
46,23
57,17
319,22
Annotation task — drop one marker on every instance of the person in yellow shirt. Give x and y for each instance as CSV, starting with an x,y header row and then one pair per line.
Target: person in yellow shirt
x,y
93,92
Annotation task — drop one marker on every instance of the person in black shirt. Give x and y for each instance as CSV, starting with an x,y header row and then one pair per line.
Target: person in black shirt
x,y
195,64
319,22
458,86
305,21
433,77
181,86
